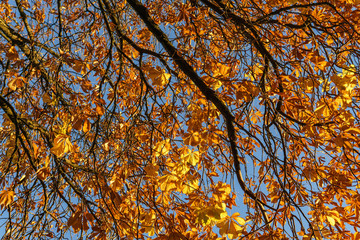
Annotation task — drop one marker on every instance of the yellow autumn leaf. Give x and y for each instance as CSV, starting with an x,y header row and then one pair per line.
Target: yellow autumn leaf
x,y
216,84
309,84
231,226
234,230
319,61
148,220
255,71
207,215
6,198
218,211
106,146
12,53
335,215
190,186
343,83
15,83
203,218
62,145
352,130
236,217
159,77
291,2
36,150
117,181
77,123
43,173
46,98
191,157
343,100
192,139
162,148
180,168
331,220
87,126
222,70
222,191
357,236
168,183
317,234
100,109
323,110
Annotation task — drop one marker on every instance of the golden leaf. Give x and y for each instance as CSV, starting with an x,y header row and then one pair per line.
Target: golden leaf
x,y
168,183
353,130
222,70
331,220
62,145
15,83
208,215
162,148
190,186
192,139
43,173
12,53
191,157
78,222
6,198
36,150
46,98
148,220
116,182
87,126
100,109
231,226
159,77
323,110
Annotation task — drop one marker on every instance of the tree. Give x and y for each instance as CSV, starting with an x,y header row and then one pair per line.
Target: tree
x,y
200,119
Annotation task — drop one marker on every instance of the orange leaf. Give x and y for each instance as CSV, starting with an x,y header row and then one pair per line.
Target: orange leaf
x,y
77,123
43,173
16,83
86,126
6,198
100,109
36,150
192,139
231,226
162,148
62,145
191,157
12,54
159,76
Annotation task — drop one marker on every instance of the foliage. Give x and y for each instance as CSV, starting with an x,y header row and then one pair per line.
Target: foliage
x,y
176,119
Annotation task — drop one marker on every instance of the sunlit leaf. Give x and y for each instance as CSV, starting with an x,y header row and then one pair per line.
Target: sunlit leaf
x,y
62,145
162,148
43,173
159,76
191,157
6,198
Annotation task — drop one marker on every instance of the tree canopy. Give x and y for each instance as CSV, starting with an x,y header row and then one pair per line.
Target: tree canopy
x,y
177,119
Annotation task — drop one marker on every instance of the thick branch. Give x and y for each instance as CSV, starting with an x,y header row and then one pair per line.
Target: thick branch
x,y
208,92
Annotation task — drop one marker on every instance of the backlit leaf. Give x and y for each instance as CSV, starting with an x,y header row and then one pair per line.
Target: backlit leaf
x,y
62,145
6,198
